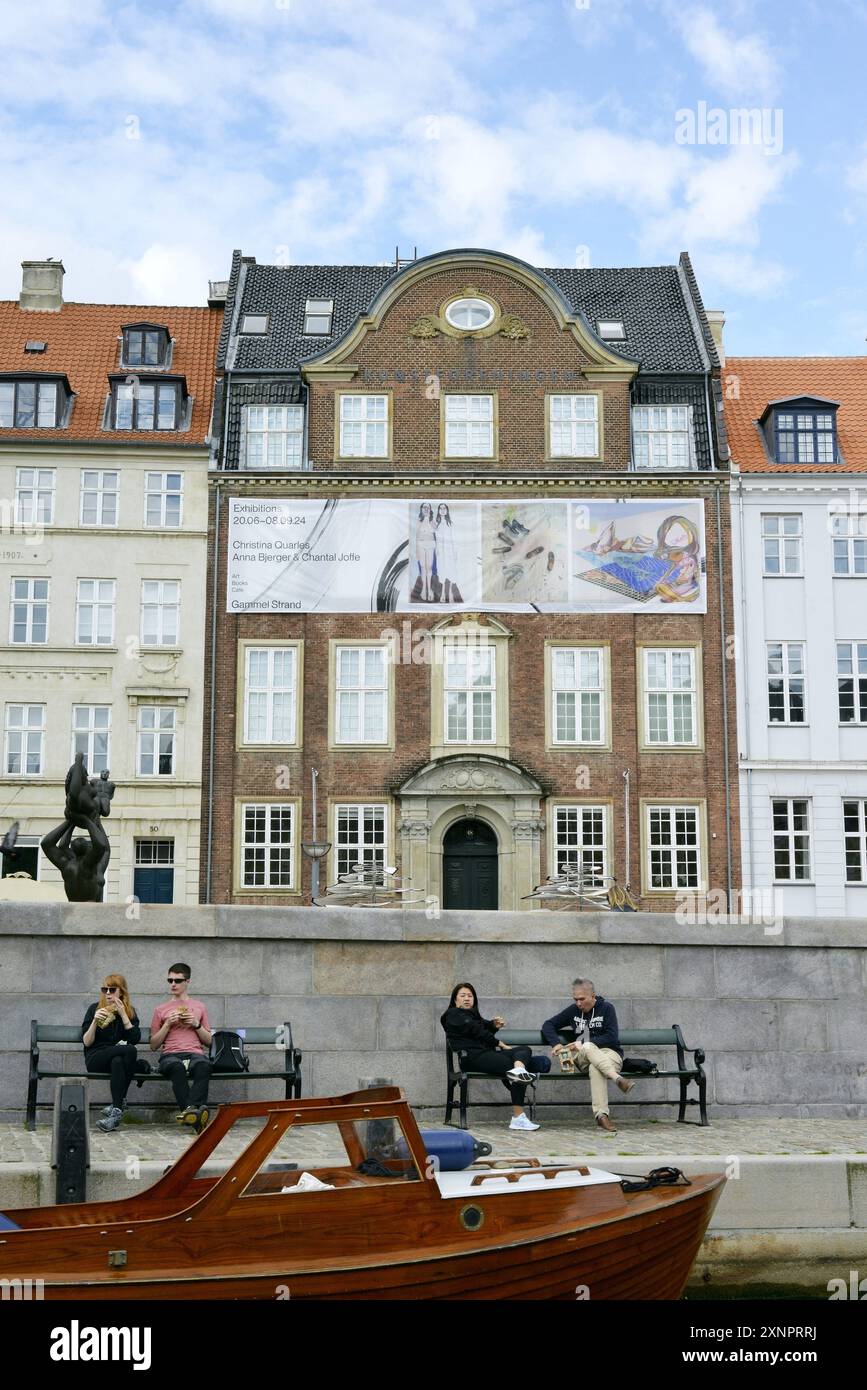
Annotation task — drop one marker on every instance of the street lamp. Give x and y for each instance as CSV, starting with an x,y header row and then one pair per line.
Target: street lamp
x,y
315,849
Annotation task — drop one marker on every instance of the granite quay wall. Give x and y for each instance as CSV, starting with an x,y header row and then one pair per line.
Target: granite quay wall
x,y
783,1017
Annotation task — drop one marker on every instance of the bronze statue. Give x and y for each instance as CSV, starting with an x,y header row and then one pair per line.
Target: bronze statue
x,y
82,862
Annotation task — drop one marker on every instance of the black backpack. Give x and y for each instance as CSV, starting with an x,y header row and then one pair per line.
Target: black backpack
x,y
227,1051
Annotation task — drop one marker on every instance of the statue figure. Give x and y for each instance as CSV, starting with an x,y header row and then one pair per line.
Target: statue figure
x,y
82,862
10,855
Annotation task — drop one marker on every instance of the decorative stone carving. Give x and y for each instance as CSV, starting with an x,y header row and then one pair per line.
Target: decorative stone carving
x,y
470,779
512,327
415,829
527,829
472,776
425,327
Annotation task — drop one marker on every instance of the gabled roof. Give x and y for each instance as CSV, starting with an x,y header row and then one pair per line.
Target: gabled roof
x,y
660,324
761,381
82,342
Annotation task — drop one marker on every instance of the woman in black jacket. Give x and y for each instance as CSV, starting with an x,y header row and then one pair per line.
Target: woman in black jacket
x,y
475,1040
109,1033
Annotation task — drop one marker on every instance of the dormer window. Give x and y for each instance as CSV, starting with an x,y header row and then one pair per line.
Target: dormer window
x,y
318,316
28,403
145,345
146,405
805,436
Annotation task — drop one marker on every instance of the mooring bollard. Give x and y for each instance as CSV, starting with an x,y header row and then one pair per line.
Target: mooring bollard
x,y
70,1147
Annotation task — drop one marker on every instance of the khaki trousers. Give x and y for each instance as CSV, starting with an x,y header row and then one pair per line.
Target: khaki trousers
x,y
604,1065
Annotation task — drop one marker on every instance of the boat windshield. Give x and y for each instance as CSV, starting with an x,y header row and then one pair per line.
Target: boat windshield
x,y
348,1153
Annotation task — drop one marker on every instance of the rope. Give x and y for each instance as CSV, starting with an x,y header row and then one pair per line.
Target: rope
x,y
657,1177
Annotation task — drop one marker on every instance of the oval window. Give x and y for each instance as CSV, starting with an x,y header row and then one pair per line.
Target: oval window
x,y
470,313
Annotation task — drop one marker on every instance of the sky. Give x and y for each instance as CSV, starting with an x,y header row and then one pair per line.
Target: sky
x,y
142,142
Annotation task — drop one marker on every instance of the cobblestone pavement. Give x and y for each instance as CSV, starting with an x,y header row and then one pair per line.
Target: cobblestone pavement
x,y
163,1143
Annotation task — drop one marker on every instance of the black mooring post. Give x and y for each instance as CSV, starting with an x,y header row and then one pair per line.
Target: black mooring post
x,y
70,1149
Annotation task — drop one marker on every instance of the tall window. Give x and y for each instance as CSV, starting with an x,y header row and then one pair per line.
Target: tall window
x,y
782,542
361,714
469,685
670,695
662,436
787,683
156,740
99,497
359,835
578,694
164,495
573,426
28,405
852,682
28,615
94,612
268,845
805,436
791,819
25,730
34,496
363,426
580,841
855,840
270,684
850,544
673,847
318,314
91,735
146,405
274,436
160,612
469,426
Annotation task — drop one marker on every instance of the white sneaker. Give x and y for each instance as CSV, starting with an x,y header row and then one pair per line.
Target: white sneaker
x,y
520,1074
522,1122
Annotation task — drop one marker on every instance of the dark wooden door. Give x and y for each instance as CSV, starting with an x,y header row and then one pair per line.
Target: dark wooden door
x,y
470,867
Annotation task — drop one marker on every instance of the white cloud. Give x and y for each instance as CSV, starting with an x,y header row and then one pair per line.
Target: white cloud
x,y
737,65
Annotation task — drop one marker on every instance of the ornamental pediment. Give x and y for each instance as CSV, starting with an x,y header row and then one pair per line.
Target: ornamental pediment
x,y
471,774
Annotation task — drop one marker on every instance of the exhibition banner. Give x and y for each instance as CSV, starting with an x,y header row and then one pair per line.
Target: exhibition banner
x,y
383,555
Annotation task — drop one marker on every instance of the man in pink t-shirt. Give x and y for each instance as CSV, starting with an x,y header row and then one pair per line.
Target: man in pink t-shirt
x,y
180,1028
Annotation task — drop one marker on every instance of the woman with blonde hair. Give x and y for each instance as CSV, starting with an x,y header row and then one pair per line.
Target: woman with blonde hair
x,y
109,1034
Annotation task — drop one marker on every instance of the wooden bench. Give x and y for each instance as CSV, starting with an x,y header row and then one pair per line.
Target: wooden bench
x,y
631,1040
53,1033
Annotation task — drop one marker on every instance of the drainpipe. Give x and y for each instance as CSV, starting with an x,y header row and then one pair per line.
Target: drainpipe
x,y
725,699
746,680
213,709
626,825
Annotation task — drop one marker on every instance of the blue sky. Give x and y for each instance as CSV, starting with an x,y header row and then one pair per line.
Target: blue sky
x,y
142,142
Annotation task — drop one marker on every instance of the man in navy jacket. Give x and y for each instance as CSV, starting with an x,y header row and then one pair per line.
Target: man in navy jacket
x,y
596,1047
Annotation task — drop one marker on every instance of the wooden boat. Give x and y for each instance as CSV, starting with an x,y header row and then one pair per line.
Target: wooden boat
x,y
389,1226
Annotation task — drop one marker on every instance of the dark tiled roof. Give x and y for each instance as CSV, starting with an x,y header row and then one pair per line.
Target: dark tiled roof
x,y
650,300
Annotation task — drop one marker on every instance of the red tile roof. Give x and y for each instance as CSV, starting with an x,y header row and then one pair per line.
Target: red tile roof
x,y
83,343
763,379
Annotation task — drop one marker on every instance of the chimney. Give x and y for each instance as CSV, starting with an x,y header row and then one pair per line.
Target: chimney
x,y
42,285
716,320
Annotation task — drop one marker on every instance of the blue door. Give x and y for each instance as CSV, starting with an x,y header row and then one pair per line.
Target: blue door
x,y
154,885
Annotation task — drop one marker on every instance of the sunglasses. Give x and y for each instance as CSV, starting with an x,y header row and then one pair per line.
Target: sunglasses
x,y
172,981
107,989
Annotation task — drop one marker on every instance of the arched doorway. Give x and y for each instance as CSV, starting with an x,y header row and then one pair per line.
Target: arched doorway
x,y
470,868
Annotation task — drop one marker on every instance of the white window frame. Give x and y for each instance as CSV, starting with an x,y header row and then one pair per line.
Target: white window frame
x,y
849,546
321,310
855,653
271,692
104,493
98,605
789,679
270,842
474,651
593,855
655,423
89,733
163,608
144,731
464,416
574,424
29,496
589,697
789,836
23,729
163,492
343,688
468,306
785,542
679,881
670,694
279,425
855,840
30,603
356,412
346,855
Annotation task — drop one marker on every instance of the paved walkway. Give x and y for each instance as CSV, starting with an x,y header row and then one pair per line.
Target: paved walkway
x,y
163,1143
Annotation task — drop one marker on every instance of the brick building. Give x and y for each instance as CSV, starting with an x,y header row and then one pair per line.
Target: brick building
x,y
468,520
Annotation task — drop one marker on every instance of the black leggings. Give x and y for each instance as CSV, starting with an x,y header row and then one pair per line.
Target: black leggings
x,y
498,1062
120,1062
189,1089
